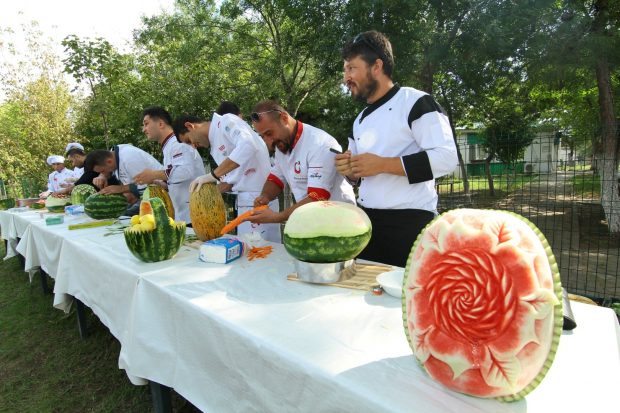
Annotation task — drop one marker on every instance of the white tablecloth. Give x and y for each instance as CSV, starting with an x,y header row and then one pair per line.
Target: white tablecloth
x,y
243,338
13,224
240,337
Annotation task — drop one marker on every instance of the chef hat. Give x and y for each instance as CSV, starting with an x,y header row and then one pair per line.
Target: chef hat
x,y
52,159
73,145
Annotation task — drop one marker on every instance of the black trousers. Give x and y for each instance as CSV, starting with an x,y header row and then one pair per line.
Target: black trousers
x,y
393,233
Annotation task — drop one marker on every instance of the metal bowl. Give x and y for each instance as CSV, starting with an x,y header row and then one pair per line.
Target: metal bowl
x,y
320,273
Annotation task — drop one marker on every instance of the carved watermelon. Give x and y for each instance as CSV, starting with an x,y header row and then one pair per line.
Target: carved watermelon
x,y
154,236
327,231
482,303
57,202
81,192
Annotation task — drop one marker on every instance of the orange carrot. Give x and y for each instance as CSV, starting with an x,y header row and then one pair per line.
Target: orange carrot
x,y
259,252
240,219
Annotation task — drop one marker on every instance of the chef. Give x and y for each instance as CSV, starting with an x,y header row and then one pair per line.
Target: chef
x,y
243,163
60,177
400,143
304,159
182,163
76,155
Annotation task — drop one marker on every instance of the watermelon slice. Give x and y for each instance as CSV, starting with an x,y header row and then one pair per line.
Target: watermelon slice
x,y
482,304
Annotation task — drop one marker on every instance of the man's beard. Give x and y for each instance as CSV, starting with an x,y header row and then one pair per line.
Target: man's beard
x,y
286,147
367,90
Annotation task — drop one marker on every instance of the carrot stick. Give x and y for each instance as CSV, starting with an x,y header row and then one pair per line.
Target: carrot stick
x,y
240,219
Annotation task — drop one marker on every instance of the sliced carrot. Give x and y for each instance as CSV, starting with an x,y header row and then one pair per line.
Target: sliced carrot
x,y
259,252
240,219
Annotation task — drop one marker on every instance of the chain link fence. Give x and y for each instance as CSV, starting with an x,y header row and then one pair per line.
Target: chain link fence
x,y
559,185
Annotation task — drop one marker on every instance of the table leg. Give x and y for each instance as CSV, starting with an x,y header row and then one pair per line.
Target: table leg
x,y
161,397
80,310
43,275
21,258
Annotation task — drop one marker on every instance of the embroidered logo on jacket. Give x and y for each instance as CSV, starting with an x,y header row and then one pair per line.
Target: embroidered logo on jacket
x,y
297,167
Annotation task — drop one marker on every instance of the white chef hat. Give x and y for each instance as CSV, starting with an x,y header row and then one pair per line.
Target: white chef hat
x,y
52,159
73,145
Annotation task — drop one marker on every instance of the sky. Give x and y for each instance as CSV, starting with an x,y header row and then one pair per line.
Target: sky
x,y
113,20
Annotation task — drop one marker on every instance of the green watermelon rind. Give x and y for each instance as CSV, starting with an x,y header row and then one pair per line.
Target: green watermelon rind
x,y
159,244
558,315
7,203
81,192
99,206
325,249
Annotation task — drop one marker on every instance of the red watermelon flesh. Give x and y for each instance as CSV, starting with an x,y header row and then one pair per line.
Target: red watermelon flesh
x,y
482,303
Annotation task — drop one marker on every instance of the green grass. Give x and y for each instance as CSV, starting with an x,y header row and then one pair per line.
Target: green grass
x,y
587,186
46,367
503,184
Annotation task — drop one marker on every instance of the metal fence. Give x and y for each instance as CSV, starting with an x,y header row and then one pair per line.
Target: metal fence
x,y
559,190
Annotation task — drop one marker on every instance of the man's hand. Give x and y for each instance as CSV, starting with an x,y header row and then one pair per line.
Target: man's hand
x,y
147,176
224,187
101,181
261,200
367,164
112,189
343,164
266,216
200,181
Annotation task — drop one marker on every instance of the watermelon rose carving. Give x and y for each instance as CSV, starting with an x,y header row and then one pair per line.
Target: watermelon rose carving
x,y
482,303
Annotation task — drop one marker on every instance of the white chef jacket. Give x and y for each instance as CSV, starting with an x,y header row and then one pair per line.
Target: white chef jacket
x,y
230,137
78,172
182,165
409,124
56,179
309,168
132,161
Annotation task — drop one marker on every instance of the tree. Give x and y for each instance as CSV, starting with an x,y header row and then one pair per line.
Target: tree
x,y
35,115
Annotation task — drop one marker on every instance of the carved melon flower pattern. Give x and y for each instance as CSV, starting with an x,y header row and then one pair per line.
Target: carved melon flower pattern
x,y
479,303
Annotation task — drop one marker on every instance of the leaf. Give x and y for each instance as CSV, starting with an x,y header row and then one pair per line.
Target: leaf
x,y
500,371
542,302
420,343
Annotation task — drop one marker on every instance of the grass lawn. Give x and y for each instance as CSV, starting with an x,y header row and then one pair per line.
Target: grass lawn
x,y
46,367
587,186
501,183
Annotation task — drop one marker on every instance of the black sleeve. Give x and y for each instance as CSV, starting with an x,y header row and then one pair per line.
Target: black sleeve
x,y
417,167
88,176
422,106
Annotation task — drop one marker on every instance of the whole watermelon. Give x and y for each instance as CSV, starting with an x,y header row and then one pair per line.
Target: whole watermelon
x,y
81,192
327,231
100,206
482,303
153,235
7,203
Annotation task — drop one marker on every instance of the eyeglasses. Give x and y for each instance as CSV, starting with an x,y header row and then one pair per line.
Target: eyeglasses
x,y
255,116
360,38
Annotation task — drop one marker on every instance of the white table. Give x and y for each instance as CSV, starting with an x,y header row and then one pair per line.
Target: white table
x,y
240,337
12,225
243,338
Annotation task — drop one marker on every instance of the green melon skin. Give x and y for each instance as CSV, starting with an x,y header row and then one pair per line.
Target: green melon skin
x,y
7,203
99,206
326,249
159,244
80,193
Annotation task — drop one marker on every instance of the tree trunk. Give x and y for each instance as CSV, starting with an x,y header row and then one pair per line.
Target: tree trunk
x,y
608,157
460,156
487,169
